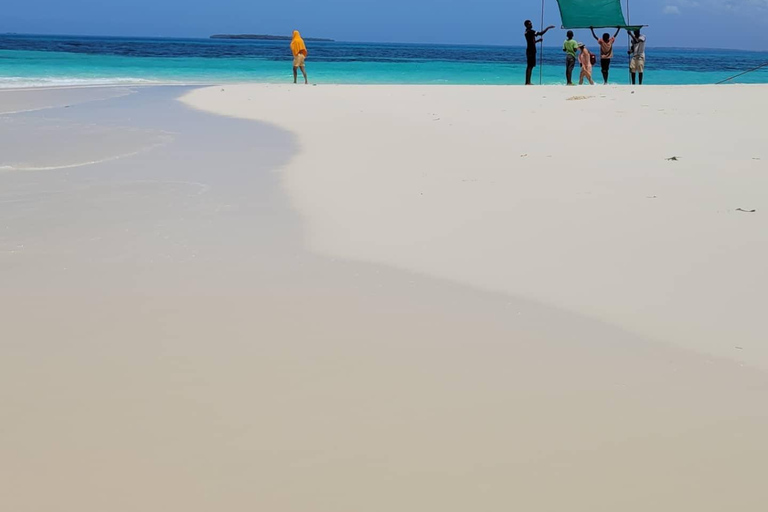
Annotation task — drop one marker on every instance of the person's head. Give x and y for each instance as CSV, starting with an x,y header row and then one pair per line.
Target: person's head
x,y
296,34
606,37
528,24
582,47
637,33
570,34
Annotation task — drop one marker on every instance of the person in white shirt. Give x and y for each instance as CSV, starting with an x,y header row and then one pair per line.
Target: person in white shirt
x,y
637,55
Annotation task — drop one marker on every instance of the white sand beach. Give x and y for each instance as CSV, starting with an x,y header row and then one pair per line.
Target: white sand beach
x,y
353,298
618,203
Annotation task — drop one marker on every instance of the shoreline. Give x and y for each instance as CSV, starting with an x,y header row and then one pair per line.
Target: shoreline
x,y
209,61
285,83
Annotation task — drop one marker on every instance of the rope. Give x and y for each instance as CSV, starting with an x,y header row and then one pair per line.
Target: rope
x,y
744,73
629,46
541,47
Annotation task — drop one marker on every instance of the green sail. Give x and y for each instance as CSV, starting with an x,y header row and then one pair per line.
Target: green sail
x,y
593,13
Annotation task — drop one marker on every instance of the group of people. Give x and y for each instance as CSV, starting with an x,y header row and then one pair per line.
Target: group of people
x,y
575,51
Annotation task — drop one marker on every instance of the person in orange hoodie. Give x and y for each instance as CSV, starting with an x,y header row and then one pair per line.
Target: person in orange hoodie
x,y
299,50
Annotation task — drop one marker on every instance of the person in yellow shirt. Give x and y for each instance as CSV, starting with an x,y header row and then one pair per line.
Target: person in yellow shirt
x,y
299,50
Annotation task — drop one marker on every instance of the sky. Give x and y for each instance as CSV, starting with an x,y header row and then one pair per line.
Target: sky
x,y
738,24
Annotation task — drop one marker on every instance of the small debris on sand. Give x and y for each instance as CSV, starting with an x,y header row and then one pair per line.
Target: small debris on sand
x,y
577,98
745,211
673,159
524,155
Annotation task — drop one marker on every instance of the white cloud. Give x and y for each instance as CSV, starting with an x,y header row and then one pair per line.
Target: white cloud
x,y
671,9
743,7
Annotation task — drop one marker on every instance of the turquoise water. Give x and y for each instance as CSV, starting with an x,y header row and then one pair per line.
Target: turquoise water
x,y
67,60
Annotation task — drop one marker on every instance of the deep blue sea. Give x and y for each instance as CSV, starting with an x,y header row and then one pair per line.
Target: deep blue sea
x,y
28,60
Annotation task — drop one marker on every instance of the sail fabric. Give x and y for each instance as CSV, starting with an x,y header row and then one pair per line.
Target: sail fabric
x,y
592,13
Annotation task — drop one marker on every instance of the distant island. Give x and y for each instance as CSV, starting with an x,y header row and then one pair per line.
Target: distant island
x,y
266,37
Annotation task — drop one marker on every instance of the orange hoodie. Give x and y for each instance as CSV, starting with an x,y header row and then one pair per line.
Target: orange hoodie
x,y
297,45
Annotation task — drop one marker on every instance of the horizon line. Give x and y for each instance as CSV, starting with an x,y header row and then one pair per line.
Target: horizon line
x,y
336,41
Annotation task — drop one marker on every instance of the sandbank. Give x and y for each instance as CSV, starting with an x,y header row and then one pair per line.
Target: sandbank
x,y
625,204
182,330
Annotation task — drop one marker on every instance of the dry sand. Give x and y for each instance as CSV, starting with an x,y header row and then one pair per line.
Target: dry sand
x,y
169,344
563,195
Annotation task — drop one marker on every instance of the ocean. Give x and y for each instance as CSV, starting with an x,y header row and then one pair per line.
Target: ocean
x,y
33,61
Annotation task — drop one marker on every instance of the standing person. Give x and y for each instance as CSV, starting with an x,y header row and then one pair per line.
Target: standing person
x,y
606,51
530,51
569,47
299,50
585,61
637,55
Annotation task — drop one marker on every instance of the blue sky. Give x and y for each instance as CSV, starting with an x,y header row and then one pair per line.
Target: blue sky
x,y
692,23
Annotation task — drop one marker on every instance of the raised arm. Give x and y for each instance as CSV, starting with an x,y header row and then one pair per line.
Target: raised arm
x,y
545,30
618,29
592,29
632,36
